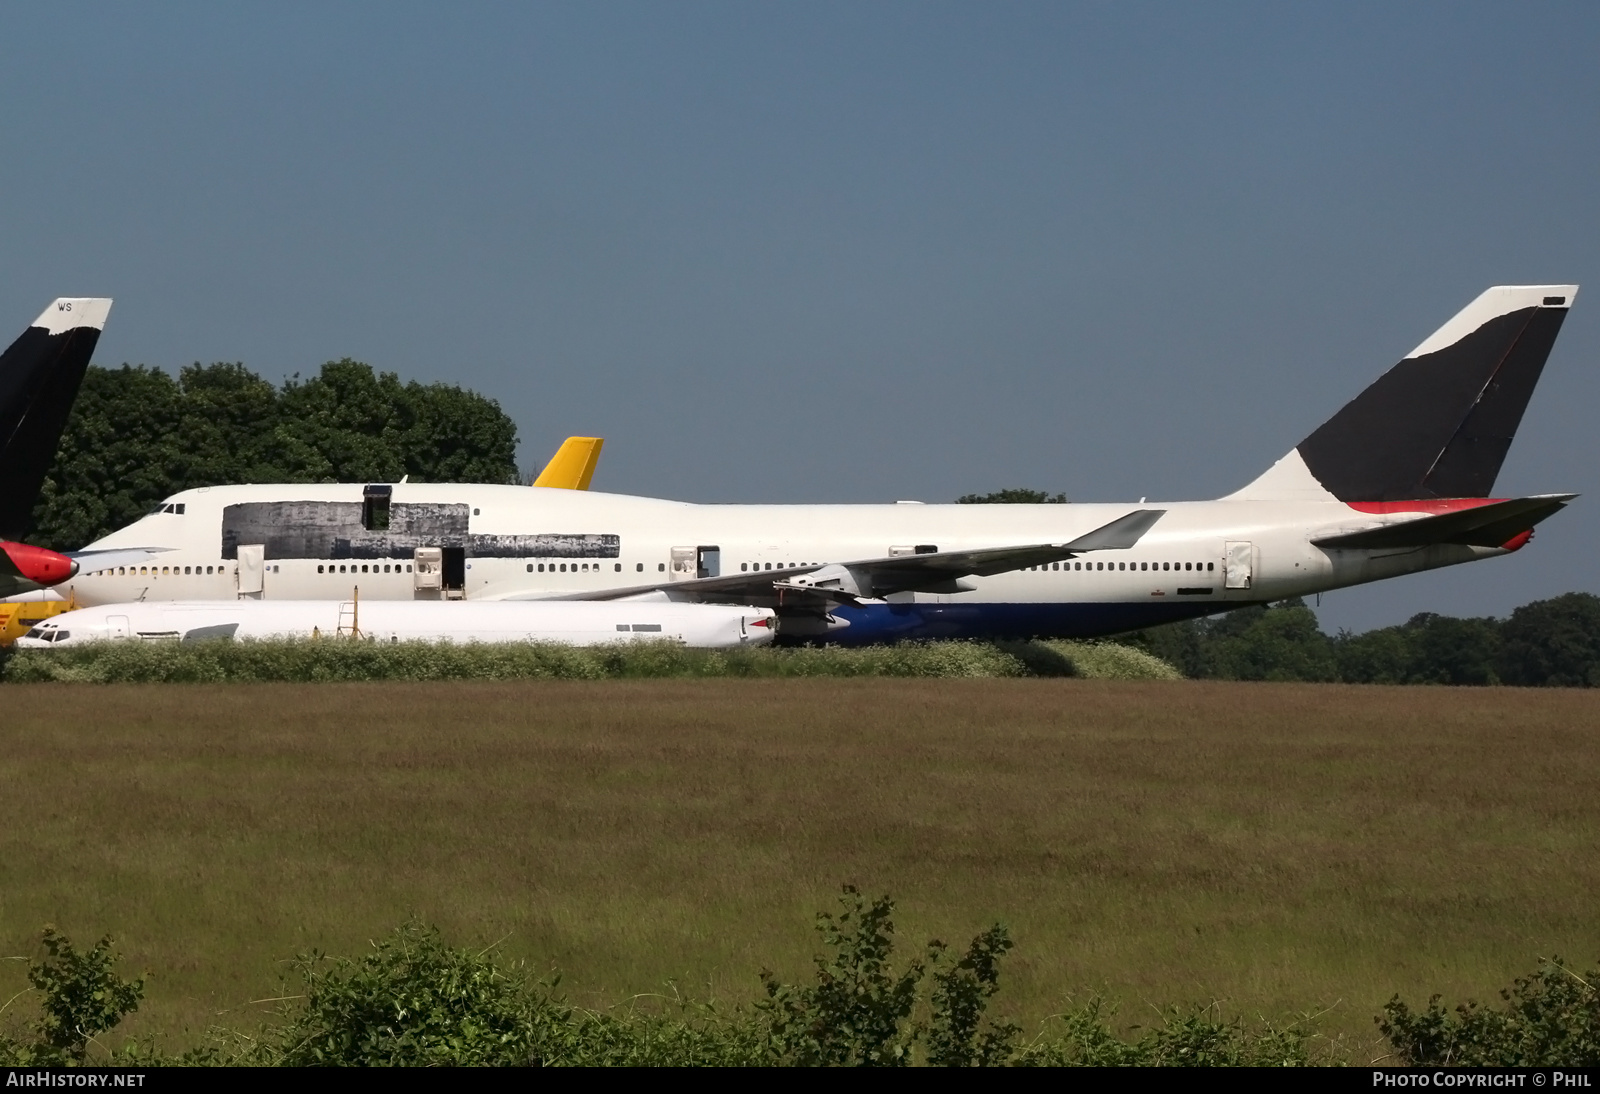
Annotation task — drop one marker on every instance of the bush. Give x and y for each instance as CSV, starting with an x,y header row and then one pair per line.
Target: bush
x,y
411,1001
860,1013
308,661
1551,1019
82,996
1186,1037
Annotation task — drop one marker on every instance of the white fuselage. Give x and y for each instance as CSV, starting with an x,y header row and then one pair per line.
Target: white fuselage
x,y
574,623
314,542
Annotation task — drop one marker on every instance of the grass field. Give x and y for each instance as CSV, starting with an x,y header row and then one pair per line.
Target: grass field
x,y
1279,847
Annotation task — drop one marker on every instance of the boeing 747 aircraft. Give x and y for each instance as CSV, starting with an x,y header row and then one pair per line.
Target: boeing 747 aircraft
x,y
1396,482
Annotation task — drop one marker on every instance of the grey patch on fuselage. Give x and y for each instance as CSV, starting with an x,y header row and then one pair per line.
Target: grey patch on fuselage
x,y
333,529
203,634
546,545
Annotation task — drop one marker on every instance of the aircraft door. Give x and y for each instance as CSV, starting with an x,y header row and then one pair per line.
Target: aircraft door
x,y
453,575
708,562
692,562
427,572
1240,563
118,626
685,563
252,571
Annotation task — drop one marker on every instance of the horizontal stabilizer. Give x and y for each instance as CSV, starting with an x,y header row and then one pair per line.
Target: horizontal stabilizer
x,y
1491,525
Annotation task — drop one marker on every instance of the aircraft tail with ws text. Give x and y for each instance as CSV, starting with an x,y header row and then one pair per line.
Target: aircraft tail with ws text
x,y
39,378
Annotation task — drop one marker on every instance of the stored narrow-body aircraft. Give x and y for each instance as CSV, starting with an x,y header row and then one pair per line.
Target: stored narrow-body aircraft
x,y
1396,482
706,626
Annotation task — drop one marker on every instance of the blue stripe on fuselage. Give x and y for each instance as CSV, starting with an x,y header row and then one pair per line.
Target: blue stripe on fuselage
x,y
871,623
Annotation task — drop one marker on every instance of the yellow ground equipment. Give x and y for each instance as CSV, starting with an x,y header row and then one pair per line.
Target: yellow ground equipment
x,y
17,619
573,465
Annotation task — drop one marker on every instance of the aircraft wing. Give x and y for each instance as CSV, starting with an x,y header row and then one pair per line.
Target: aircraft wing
x,y
1490,525
111,557
875,578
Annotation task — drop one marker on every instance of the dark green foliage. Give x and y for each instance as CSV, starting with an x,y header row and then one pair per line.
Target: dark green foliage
x,y
858,1012
411,1001
1013,497
1280,642
1426,649
1554,643
81,996
1550,643
137,435
414,1000
340,659
961,994
1551,1019
1186,1037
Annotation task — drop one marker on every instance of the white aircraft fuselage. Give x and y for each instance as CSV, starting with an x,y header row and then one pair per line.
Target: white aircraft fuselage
x,y
1177,570
1396,482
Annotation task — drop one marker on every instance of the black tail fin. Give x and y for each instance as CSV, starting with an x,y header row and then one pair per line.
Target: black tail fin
x,y
39,378
1438,424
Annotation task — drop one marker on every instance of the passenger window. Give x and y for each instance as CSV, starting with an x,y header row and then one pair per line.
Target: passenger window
x,y
618,567
530,567
408,567
341,569
563,567
474,512
639,566
319,569
743,566
1211,566
661,567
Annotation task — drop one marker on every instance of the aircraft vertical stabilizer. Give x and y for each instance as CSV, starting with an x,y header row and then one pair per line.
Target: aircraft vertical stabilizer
x,y
1439,423
39,378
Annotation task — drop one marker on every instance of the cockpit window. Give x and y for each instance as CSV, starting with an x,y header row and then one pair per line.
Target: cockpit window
x,y
168,507
35,632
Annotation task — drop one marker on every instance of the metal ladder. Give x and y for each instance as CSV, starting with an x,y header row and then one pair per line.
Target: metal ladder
x,y
350,610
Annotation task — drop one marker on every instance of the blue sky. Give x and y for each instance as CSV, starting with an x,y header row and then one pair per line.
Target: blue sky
x,y
838,252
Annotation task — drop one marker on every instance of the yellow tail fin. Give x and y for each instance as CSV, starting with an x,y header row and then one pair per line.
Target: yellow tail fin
x,y
573,465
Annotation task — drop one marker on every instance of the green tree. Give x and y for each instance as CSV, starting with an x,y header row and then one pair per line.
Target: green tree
x,y
1282,642
1013,497
137,435
1553,643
